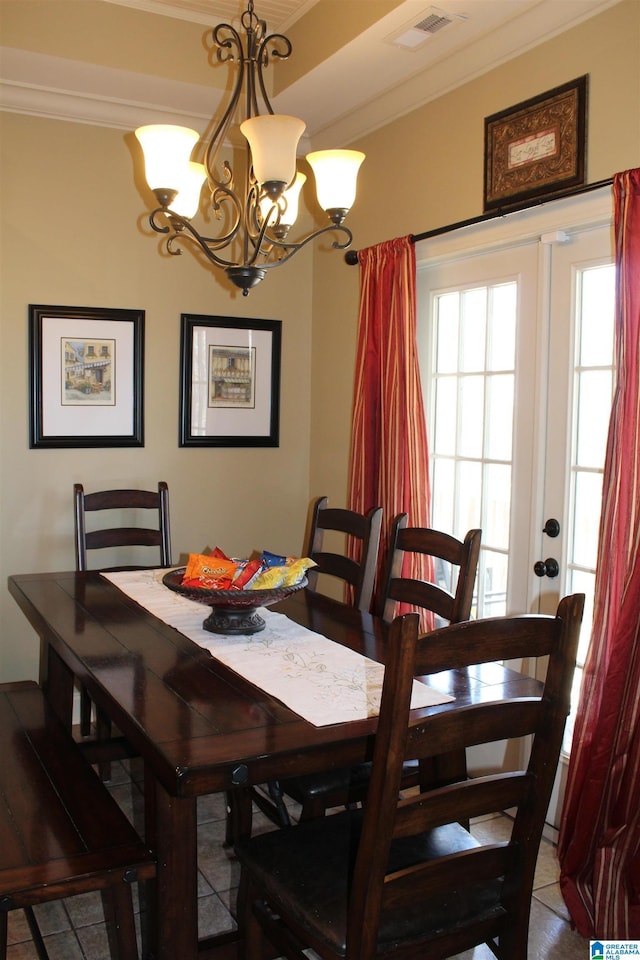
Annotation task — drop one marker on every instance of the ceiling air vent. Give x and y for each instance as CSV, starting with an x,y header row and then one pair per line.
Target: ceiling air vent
x,y
413,35
433,23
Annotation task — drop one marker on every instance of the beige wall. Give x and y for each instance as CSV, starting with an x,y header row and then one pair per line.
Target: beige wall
x,y
73,231
426,170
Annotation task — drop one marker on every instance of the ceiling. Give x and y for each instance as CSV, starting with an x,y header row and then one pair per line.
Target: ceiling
x,y
364,81
279,14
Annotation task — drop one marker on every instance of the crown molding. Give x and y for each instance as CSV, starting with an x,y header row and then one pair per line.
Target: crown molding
x,y
44,86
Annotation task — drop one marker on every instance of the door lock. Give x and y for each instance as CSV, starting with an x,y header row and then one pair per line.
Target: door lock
x,y
551,527
546,568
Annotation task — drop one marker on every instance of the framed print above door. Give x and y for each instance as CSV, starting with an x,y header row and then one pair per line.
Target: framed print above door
x,y
85,377
536,149
230,382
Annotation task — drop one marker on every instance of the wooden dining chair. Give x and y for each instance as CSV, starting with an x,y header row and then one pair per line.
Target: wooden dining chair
x,y
361,532
449,596
450,600
126,504
401,877
130,501
61,832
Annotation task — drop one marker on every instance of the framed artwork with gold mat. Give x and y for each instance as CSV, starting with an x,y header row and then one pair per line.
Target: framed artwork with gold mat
x,y
535,150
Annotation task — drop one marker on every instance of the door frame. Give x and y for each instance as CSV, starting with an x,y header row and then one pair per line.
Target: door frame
x,y
545,225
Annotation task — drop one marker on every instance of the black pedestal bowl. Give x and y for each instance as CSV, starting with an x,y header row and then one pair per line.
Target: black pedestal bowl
x,y
233,612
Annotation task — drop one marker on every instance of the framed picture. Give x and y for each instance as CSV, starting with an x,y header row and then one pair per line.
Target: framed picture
x,y
230,382
86,377
536,149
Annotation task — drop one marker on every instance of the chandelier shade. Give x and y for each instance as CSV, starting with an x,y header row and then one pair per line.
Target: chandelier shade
x,y
273,140
287,206
336,174
189,190
254,210
167,150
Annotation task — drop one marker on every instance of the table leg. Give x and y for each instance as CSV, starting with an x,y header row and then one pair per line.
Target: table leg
x,y
172,829
57,681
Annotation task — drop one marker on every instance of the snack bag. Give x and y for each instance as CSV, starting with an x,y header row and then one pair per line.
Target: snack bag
x,y
247,571
287,575
273,559
296,570
214,573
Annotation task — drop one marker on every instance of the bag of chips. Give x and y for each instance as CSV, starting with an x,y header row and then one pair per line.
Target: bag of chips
x,y
282,576
210,572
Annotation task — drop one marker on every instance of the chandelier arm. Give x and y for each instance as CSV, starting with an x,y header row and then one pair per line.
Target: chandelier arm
x,y
262,60
293,248
206,244
225,52
176,224
219,196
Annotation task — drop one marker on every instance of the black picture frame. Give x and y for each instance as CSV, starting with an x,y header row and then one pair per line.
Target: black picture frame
x,y
86,370
536,150
230,381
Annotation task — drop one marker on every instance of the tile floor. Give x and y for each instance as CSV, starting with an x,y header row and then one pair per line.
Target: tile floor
x,y
74,930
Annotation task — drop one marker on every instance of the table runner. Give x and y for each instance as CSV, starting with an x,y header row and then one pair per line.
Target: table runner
x,y
317,678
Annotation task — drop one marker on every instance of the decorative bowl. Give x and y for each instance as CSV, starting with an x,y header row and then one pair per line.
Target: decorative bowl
x,y
233,611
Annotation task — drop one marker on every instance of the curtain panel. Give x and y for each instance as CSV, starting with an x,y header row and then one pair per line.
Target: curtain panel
x,y
389,462
599,842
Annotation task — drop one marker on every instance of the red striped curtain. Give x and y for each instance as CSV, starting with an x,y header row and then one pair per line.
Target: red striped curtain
x,y
389,456
599,843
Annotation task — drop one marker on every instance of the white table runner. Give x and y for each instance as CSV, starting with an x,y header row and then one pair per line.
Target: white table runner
x,y
317,678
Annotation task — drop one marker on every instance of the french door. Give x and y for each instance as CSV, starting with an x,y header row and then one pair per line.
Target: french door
x,y
516,344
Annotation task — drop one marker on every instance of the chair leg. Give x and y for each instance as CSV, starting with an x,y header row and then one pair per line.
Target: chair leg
x,y
85,712
249,929
103,733
239,816
276,794
3,934
121,928
36,936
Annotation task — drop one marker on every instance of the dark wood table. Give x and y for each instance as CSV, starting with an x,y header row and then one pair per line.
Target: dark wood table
x,y
200,727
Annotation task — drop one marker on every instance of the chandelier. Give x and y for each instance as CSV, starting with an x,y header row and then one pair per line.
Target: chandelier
x,y
255,212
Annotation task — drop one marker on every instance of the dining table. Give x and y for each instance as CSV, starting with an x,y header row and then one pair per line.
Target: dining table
x,y
199,726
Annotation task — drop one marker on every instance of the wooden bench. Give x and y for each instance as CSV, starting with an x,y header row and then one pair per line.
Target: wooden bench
x,y
61,832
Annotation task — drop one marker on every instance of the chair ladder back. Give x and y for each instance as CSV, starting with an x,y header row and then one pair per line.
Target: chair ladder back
x,y
159,536
450,605
362,537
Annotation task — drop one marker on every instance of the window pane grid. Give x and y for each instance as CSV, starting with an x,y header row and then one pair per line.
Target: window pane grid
x,y
472,426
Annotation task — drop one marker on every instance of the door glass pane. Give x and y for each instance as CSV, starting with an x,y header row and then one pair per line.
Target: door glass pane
x,y
447,332
442,493
593,382
498,503
502,330
493,572
445,415
499,416
472,333
593,416
471,416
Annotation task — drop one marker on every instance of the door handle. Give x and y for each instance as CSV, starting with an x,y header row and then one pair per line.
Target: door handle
x,y
551,527
546,568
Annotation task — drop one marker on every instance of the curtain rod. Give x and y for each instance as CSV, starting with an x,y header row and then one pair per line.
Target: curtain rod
x,y
351,256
